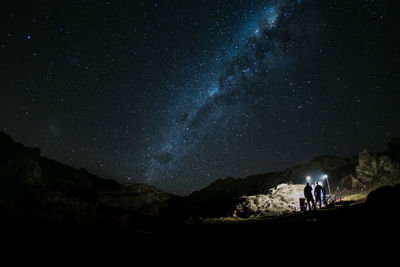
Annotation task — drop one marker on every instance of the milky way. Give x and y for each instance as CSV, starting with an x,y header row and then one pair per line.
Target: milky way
x,y
224,105
239,98
239,103
177,94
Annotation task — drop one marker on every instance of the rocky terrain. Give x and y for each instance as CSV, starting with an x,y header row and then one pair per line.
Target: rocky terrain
x,y
347,176
352,179
37,190
39,194
280,199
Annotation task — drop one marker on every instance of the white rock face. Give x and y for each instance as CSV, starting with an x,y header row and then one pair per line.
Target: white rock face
x,y
281,199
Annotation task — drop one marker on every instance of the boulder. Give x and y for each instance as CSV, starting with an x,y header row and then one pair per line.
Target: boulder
x,y
283,198
385,198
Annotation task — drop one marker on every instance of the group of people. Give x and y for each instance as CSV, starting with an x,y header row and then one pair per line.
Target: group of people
x,y
319,194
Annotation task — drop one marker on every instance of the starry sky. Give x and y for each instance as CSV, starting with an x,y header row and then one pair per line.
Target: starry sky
x,y
176,94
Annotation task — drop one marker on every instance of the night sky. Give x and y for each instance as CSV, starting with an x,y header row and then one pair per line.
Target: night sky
x,y
179,93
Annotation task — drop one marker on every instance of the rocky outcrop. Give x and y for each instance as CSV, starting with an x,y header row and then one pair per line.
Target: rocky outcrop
x,y
351,182
283,198
372,169
30,183
140,198
35,187
220,198
351,174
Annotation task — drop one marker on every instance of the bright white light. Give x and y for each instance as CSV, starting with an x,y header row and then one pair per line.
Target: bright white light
x,y
327,180
308,178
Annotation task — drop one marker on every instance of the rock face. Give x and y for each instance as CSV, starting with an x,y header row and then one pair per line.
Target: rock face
x,y
35,187
221,197
351,182
283,198
372,169
141,198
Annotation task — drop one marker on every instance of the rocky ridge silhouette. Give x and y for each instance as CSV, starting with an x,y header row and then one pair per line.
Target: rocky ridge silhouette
x,y
35,189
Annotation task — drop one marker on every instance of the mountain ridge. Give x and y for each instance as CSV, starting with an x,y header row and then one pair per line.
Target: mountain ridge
x,y
57,191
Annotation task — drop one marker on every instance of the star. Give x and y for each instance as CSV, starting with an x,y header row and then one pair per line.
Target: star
x,y
180,95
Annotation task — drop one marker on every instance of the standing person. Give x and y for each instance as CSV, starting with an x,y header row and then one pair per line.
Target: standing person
x,y
309,196
324,195
317,193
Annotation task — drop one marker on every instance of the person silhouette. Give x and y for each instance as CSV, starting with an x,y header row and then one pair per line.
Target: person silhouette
x,y
317,194
309,196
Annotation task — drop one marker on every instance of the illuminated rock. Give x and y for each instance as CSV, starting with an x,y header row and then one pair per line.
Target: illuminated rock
x,y
283,198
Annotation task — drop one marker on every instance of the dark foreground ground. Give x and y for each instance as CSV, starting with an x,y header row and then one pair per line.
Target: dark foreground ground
x,y
347,226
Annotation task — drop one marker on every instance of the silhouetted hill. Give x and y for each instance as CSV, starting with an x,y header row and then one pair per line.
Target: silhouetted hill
x,y
35,190
220,197
37,194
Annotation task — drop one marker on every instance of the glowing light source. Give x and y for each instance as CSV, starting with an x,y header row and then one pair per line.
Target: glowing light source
x,y
325,176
